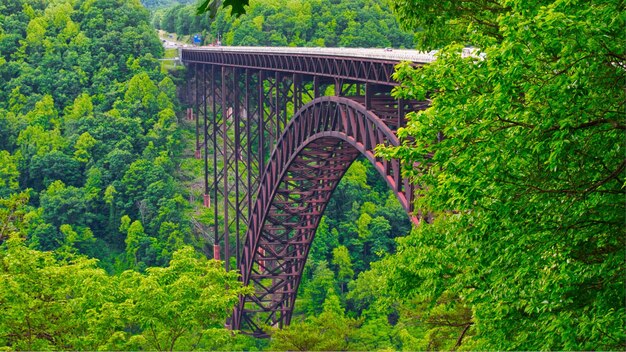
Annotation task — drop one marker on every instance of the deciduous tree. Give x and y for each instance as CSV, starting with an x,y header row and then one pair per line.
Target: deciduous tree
x,y
521,159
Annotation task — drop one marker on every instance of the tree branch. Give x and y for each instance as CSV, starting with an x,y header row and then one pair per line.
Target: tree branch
x,y
460,339
613,175
521,124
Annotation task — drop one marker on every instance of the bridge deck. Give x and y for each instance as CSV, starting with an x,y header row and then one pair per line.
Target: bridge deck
x,y
357,65
387,54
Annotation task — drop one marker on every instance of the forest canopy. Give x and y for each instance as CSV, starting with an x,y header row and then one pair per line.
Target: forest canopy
x,y
93,227
88,124
348,23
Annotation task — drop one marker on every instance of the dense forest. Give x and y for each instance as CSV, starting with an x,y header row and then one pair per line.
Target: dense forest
x,y
89,128
89,145
348,23
526,250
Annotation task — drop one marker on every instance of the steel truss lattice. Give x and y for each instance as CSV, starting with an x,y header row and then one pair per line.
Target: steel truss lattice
x,y
274,149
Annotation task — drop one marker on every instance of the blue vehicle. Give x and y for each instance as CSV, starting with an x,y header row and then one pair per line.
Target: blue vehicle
x,y
197,39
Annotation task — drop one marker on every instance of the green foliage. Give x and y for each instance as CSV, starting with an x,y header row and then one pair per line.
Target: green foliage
x,y
63,204
13,215
315,291
325,240
47,302
352,23
362,217
84,113
8,173
341,259
83,146
330,331
184,305
65,65
72,304
53,166
211,6
527,184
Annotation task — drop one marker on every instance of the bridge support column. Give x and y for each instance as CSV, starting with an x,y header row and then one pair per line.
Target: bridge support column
x,y
197,109
297,92
227,112
237,159
316,87
214,144
368,96
205,138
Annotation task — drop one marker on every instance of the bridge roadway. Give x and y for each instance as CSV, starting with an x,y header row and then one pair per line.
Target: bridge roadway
x,y
283,126
356,64
386,54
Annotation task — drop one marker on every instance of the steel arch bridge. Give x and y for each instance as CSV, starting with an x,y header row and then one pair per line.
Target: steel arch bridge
x,y
278,128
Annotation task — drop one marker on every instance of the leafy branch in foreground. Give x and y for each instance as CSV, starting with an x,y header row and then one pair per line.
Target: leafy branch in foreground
x,y
211,7
528,182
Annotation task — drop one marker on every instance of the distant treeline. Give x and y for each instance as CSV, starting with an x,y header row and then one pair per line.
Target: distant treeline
x,y
324,23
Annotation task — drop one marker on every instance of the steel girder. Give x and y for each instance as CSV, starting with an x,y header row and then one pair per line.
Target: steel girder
x,y
359,69
314,151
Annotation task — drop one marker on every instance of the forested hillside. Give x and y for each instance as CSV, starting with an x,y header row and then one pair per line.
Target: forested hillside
x,y
89,128
89,142
349,23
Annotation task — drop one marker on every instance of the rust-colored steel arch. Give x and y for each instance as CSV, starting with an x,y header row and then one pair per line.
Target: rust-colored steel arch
x,y
313,153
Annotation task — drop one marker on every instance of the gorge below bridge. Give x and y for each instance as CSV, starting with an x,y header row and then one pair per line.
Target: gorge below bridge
x,y
282,126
